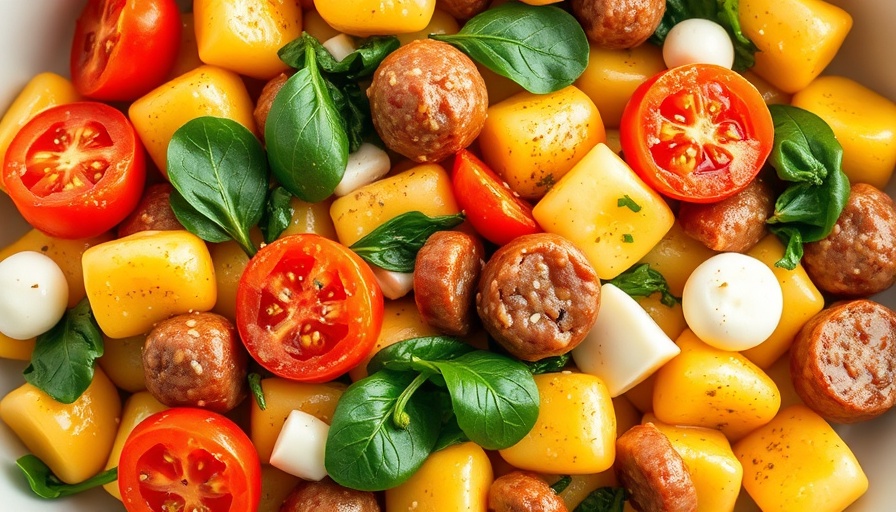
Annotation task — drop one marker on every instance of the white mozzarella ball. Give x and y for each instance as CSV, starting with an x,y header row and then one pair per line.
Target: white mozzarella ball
x,y
698,41
366,165
732,301
33,294
339,46
299,449
394,285
625,346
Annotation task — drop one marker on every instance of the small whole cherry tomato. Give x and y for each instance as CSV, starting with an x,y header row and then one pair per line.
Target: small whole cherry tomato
x,y
697,133
493,210
124,48
189,459
308,308
75,170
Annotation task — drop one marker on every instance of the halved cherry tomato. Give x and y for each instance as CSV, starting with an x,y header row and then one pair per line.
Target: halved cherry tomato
x,y
697,133
124,48
189,459
495,211
308,308
75,170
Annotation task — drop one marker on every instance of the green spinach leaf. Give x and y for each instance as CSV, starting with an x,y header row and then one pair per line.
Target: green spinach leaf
x,y
548,364
277,214
401,355
542,48
354,110
48,486
365,449
643,281
494,397
394,244
604,499
723,12
218,166
63,359
358,64
306,137
561,484
195,222
806,153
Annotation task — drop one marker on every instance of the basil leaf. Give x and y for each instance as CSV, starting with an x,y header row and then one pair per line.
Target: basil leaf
x,y
394,244
494,397
399,356
48,486
548,364
806,153
542,48
643,281
195,222
365,450
218,166
305,135
256,390
354,111
360,63
277,214
723,12
63,357
604,499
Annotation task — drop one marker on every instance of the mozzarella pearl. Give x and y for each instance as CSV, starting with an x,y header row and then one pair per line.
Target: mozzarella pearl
x,y
299,449
698,41
33,294
394,285
366,165
732,301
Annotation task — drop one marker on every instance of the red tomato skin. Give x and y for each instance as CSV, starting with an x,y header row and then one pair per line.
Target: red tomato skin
x,y
489,205
362,308
641,123
148,38
184,431
82,213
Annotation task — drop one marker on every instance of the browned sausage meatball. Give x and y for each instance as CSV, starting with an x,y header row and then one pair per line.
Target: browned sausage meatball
x,y
266,99
618,24
427,100
538,296
521,491
446,273
843,361
858,258
462,9
153,212
734,224
327,495
195,359
652,472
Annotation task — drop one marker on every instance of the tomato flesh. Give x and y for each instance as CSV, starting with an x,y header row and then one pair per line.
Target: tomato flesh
x,y
68,158
697,133
308,308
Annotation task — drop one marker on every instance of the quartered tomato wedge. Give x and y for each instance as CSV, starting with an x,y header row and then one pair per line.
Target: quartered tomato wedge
x,y
308,308
697,133
189,459
124,48
75,170
493,210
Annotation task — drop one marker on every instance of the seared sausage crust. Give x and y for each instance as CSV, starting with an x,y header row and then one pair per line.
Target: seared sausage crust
x,y
446,273
843,361
327,495
652,472
858,258
538,296
462,9
195,359
266,99
734,224
618,24
521,491
153,212
427,100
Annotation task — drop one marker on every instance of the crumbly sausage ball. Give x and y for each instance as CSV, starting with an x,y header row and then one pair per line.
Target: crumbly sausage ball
x,y
858,258
521,491
734,224
327,495
195,359
266,99
446,273
427,100
462,9
618,24
843,361
538,296
153,212
652,472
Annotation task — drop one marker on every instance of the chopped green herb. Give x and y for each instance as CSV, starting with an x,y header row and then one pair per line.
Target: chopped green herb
x,y
257,391
628,238
626,201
